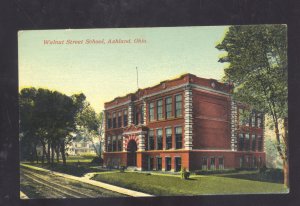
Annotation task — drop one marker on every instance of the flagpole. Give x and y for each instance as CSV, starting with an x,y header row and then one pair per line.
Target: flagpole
x,y
137,78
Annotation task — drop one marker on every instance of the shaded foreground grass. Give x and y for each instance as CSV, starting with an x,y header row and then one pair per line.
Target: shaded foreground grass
x,y
270,175
77,166
197,185
35,189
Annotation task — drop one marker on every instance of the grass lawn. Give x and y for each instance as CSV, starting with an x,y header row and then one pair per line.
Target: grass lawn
x,y
76,165
274,175
196,185
84,158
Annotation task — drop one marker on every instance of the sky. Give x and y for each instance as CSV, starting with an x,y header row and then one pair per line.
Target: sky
x,y
103,71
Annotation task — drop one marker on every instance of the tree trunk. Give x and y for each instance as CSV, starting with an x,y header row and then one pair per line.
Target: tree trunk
x,y
52,154
36,154
95,148
48,154
63,154
278,146
283,152
100,149
43,151
43,154
57,153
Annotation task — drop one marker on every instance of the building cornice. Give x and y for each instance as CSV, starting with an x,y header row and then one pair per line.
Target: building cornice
x,y
198,87
182,86
119,105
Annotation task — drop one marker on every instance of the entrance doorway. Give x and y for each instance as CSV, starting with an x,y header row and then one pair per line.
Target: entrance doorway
x,y
131,155
150,163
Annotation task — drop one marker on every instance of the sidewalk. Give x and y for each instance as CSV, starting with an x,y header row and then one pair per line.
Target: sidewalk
x,y
86,179
23,196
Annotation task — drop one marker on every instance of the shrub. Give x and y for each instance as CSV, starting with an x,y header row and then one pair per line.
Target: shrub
x,y
122,168
263,169
187,175
97,160
211,172
274,175
184,174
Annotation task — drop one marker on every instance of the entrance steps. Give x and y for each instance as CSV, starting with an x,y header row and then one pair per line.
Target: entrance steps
x,y
131,168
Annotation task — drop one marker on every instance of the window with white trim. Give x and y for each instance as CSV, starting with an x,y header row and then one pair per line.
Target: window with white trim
x,y
178,105
221,163
114,144
241,142
241,162
158,163
125,118
204,163
108,145
119,119
177,164
259,143
168,138
159,109
159,137
151,111
114,120
120,143
178,136
253,144
212,163
151,139
168,107
247,142
168,163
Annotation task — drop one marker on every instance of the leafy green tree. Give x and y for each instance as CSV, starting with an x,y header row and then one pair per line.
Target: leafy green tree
x,y
63,122
47,117
257,57
88,122
28,138
272,155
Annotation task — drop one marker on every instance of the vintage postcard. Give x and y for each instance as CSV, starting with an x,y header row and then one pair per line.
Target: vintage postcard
x,y
169,111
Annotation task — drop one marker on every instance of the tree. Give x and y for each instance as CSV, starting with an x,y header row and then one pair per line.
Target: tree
x,y
46,117
28,128
89,123
257,57
273,159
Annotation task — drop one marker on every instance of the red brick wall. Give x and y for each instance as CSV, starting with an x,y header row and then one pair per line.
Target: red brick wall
x,y
211,115
171,122
231,158
142,158
184,154
109,157
196,159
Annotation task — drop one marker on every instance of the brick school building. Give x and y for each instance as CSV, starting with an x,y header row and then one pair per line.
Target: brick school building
x,y
188,122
